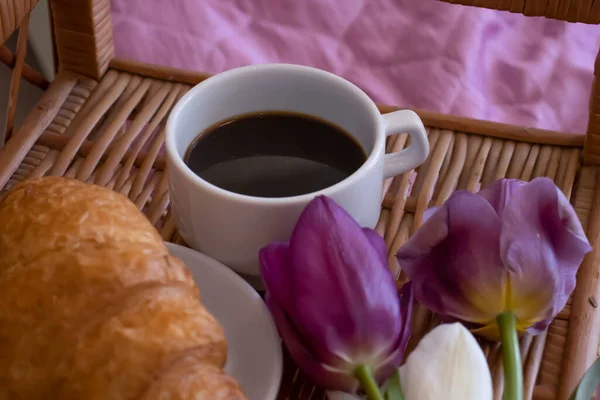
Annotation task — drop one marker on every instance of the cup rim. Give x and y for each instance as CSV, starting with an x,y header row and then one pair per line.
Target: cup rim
x,y
177,162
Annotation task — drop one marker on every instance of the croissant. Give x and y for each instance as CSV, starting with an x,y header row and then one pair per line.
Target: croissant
x,y
93,305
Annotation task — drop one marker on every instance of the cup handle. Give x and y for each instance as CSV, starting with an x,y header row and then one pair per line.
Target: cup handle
x,y
405,121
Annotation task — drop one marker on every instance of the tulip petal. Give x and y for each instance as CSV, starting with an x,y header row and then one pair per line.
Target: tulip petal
x,y
274,262
387,366
454,261
346,297
274,267
499,192
377,242
319,373
407,298
447,364
428,213
540,327
542,244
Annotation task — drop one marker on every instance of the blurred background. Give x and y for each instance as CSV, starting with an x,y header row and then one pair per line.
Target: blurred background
x,y
412,53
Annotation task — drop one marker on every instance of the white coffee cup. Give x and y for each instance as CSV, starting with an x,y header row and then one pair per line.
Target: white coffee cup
x,y
232,227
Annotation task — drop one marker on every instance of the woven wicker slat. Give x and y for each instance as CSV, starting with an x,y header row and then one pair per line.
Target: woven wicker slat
x,y
12,15
592,145
83,35
585,11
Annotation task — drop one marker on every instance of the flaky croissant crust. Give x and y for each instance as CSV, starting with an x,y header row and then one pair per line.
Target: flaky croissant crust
x,y
93,305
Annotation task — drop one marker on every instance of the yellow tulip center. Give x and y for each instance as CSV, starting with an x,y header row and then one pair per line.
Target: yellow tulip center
x,y
523,304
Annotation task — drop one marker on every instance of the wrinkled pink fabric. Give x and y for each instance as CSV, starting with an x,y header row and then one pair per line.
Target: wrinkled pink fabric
x,y
414,53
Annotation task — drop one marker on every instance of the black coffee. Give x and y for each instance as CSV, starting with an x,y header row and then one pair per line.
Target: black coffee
x,y
274,154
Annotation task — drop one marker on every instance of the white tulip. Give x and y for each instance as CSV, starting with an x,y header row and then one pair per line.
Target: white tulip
x,y
447,364
341,396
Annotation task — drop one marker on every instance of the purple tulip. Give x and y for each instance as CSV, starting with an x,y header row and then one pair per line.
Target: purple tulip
x,y
334,299
514,246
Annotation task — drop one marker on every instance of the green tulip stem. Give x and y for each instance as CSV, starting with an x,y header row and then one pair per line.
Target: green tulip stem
x,y
365,377
513,370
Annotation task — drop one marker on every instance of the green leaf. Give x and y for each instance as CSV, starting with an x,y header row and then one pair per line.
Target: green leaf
x,y
393,389
589,383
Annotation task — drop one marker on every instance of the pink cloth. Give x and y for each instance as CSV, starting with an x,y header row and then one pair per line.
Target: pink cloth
x,y
414,53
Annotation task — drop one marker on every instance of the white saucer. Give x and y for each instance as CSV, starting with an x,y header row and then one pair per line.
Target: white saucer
x,y
254,356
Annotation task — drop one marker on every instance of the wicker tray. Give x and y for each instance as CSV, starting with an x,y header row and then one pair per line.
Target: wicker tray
x,y
102,121
586,11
